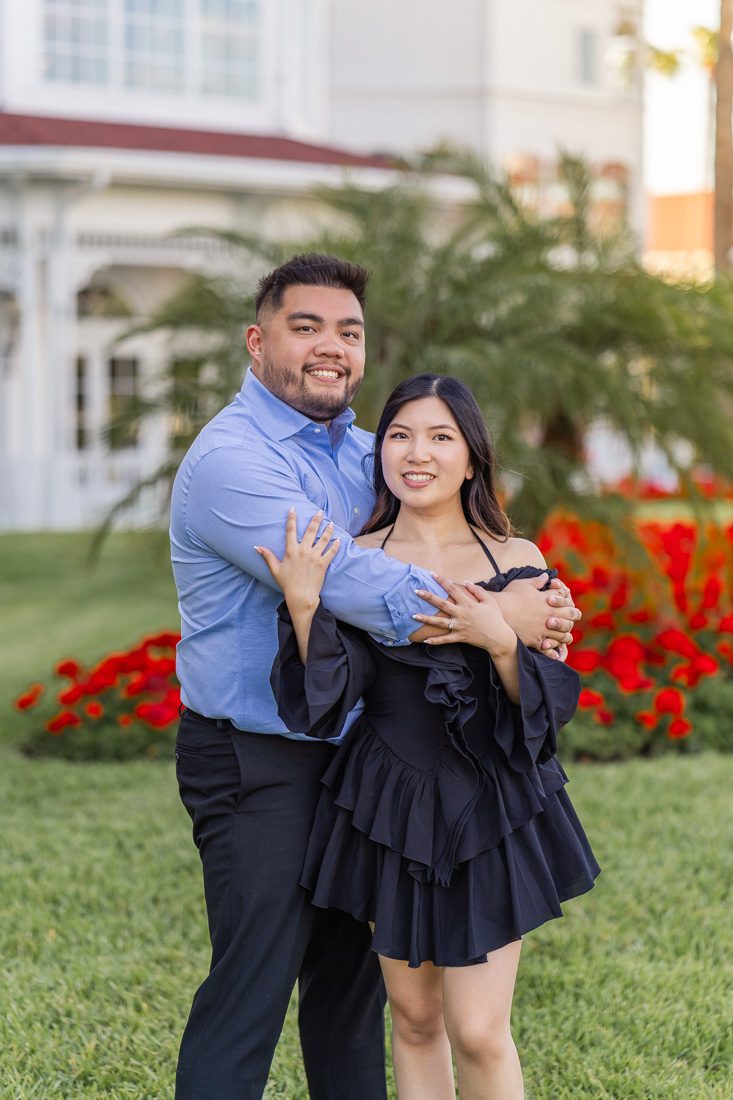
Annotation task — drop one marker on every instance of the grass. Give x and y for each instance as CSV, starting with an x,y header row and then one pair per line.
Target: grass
x,y
102,928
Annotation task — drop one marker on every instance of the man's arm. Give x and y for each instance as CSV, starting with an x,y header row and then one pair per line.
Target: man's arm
x,y
239,499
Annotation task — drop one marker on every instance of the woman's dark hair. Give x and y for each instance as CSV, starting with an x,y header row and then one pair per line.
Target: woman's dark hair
x,y
310,269
478,496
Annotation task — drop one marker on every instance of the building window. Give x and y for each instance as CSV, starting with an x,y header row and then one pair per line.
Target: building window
x,y
122,390
76,43
587,56
154,46
173,47
80,392
229,48
100,301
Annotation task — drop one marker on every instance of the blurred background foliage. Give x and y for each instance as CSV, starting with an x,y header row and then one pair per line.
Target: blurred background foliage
x,y
553,322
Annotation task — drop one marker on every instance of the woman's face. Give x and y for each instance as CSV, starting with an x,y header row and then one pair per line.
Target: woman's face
x,y
425,458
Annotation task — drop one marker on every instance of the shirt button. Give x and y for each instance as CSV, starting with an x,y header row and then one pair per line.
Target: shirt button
x,y
316,429
356,511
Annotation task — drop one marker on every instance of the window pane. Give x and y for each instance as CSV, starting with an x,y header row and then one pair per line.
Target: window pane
x,y
122,391
154,45
81,404
76,45
587,63
231,11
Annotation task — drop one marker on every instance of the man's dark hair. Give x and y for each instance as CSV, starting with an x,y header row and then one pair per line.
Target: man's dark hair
x,y
311,269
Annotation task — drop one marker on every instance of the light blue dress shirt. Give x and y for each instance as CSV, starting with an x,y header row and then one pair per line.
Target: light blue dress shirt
x,y
246,468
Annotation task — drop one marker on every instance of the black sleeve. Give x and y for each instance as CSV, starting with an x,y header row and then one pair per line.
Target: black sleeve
x,y
316,698
548,695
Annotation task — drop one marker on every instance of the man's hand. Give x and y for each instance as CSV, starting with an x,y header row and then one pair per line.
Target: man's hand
x,y
525,607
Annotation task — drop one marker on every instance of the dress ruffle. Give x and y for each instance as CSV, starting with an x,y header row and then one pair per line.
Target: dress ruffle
x,y
485,833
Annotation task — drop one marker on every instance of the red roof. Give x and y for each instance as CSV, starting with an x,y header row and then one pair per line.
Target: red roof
x,y
32,130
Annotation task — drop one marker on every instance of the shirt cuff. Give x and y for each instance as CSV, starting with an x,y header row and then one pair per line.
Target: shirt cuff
x,y
402,604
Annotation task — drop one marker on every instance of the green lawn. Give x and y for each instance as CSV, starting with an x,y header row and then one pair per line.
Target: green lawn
x,y
102,921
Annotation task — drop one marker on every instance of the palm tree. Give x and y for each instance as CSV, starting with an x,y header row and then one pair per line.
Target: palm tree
x,y
554,325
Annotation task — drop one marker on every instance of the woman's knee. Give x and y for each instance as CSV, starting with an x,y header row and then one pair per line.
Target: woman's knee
x,y
417,1021
480,1040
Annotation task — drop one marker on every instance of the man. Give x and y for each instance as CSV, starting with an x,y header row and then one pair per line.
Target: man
x,y
250,786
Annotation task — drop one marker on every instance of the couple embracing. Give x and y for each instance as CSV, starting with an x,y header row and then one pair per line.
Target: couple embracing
x,y
373,679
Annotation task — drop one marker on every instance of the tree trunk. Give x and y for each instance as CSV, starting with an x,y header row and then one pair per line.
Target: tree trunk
x,y
723,230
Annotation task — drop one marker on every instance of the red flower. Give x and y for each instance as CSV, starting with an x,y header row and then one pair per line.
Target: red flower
x,y
604,717
647,719
679,727
675,641
94,710
603,621
621,594
698,621
711,593
640,616
125,720
30,698
701,665
600,577
165,640
61,720
669,701
71,694
725,626
68,668
589,698
157,715
622,659
584,660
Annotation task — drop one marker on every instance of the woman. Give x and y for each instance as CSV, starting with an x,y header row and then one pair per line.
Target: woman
x,y
443,820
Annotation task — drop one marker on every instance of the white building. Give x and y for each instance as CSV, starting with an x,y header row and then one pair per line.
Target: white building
x,y
123,122
514,79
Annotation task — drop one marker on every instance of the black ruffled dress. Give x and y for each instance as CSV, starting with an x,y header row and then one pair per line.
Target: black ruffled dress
x,y
443,817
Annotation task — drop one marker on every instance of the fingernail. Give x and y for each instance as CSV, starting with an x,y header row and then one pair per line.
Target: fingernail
x,y
554,601
291,508
419,591
417,616
258,549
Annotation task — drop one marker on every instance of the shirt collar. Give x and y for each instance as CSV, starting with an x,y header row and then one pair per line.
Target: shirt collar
x,y
280,420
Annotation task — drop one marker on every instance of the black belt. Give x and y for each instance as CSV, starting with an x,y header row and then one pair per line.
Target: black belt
x,y
220,723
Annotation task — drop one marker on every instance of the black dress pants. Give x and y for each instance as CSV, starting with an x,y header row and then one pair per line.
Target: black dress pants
x,y
251,798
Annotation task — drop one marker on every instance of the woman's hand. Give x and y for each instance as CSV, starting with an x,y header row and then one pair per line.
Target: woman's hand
x,y
303,567
470,615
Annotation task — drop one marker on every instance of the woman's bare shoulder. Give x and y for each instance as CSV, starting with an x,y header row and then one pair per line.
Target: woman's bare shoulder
x,y
521,552
372,539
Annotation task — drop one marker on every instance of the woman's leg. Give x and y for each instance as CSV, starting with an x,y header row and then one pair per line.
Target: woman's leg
x,y
420,1048
477,1004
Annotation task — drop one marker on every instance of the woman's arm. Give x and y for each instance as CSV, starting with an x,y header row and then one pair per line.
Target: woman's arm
x,y
301,572
322,666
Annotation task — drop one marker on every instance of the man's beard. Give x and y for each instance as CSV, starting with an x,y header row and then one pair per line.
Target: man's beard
x,y
291,388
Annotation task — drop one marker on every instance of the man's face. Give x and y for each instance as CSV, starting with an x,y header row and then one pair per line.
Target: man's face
x,y
310,352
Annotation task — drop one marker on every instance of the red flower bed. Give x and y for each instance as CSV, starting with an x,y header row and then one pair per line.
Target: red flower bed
x,y
652,646
117,709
